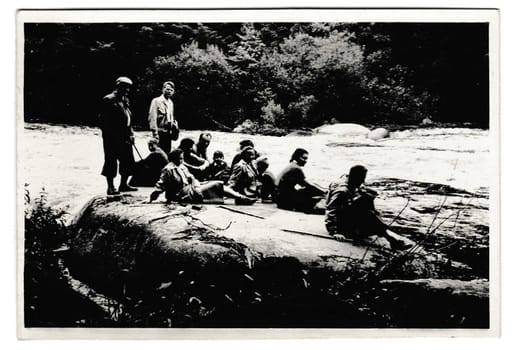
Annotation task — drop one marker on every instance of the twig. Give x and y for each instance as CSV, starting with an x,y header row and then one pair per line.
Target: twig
x,y
309,234
399,214
159,218
459,211
216,228
165,216
436,214
429,233
390,224
447,246
241,212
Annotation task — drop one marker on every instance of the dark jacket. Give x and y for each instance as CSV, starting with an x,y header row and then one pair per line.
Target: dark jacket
x,y
115,119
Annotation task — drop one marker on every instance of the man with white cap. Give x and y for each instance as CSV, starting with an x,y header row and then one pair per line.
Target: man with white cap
x,y
161,117
118,136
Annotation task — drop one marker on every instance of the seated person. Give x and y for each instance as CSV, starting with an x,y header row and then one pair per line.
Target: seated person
x,y
294,192
181,186
218,169
243,178
242,145
201,146
147,171
266,180
350,211
194,163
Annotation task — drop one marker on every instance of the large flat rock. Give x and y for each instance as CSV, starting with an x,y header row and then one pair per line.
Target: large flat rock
x,y
113,235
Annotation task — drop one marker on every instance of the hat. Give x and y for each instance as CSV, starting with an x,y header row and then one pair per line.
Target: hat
x,y
123,80
245,143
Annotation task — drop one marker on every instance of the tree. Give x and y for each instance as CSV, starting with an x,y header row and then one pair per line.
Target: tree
x,y
206,85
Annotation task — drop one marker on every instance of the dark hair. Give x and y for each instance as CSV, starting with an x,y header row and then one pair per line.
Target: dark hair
x,y
218,154
245,152
205,135
174,155
357,171
186,144
297,154
245,143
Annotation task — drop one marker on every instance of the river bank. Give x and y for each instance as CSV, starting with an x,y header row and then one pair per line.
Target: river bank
x,y
441,177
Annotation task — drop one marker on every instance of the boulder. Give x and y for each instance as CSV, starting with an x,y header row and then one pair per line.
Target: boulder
x,y
214,265
343,130
378,134
247,126
427,121
478,288
441,303
113,235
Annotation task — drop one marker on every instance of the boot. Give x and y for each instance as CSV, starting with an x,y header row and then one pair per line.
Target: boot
x,y
400,245
111,191
243,200
127,188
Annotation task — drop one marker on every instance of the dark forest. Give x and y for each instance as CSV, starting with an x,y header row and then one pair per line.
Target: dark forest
x,y
281,75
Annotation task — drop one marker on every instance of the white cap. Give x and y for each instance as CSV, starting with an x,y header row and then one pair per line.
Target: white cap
x,y
123,80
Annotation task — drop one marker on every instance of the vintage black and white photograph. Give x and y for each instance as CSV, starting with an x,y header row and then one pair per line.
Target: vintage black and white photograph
x,y
257,170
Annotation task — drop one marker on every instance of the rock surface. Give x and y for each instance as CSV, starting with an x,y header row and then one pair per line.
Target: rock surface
x,y
438,302
475,288
378,134
343,129
123,246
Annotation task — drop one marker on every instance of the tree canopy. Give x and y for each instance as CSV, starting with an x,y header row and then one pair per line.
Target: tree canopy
x,y
285,75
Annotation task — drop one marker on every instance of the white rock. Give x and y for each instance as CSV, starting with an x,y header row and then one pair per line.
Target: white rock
x,y
378,134
343,129
427,121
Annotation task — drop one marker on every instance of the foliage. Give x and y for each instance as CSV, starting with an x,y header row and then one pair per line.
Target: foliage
x,y
44,226
284,75
47,299
206,85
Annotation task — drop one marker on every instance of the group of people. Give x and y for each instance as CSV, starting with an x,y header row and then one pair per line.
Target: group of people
x,y
185,174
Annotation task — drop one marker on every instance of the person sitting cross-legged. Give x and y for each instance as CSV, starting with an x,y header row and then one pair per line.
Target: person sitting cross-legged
x,y
238,156
294,191
194,163
147,171
218,169
266,180
243,178
350,212
181,186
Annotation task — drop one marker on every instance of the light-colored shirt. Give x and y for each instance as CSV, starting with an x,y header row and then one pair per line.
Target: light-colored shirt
x,y
243,179
176,181
161,114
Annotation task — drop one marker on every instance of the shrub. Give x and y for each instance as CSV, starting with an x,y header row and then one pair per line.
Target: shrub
x,y
206,85
44,232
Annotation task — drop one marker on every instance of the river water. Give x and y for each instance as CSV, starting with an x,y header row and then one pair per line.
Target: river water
x,y
67,160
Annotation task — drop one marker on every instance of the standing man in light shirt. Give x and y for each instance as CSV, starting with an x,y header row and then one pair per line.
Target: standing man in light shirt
x,y
161,117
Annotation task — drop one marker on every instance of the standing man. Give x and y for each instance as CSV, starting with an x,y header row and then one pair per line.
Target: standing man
x,y
161,117
118,136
